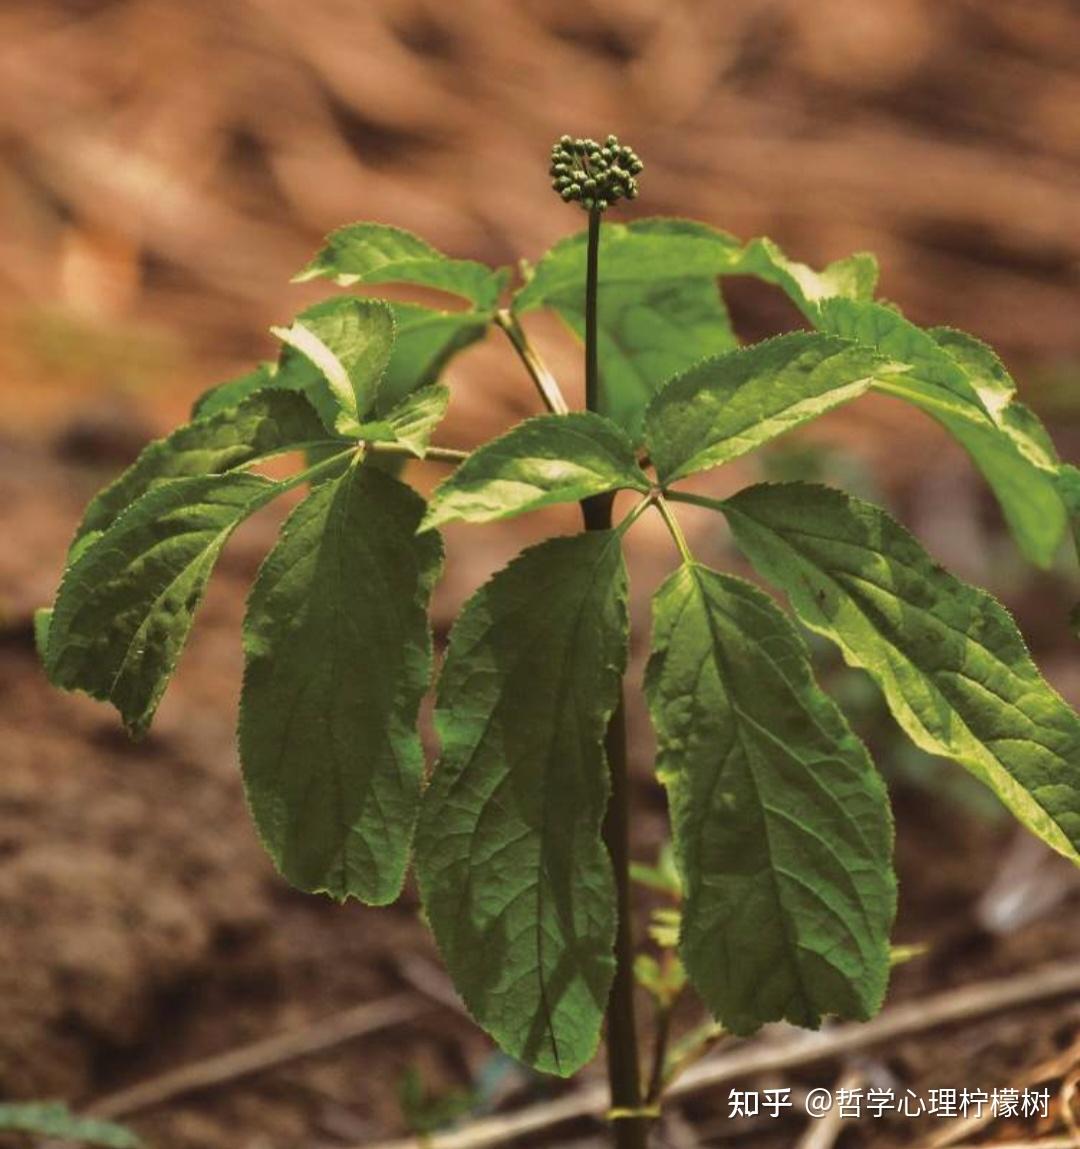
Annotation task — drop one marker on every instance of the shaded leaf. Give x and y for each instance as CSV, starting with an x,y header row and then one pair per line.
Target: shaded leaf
x,y
647,332
659,309
515,878
426,341
263,424
948,658
127,602
726,406
223,396
292,372
544,460
781,823
338,656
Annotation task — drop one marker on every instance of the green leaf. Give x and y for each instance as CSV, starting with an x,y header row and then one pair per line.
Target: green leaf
x,y
645,251
338,656
224,396
412,422
426,341
265,424
948,658
374,253
54,1119
781,822
659,309
292,372
959,383
349,342
727,406
515,877
1068,487
42,626
127,602
665,927
663,878
544,460
646,333
853,278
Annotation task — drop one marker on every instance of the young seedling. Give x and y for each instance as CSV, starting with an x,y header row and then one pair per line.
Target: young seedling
x,y
783,891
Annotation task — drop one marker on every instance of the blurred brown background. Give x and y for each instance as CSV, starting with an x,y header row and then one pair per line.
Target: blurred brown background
x,y
166,167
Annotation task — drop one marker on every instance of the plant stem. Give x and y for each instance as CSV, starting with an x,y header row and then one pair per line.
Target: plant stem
x,y
624,1073
592,350
694,500
545,382
634,514
325,466
674,529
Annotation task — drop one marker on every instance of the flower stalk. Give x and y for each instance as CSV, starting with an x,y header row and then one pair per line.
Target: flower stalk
x,y
597,176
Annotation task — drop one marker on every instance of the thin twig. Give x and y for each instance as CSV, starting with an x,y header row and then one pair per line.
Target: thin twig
x,y
759,1057
261,1055
431,454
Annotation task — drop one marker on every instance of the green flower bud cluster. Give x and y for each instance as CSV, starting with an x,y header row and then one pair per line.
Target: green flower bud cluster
x,y
595,175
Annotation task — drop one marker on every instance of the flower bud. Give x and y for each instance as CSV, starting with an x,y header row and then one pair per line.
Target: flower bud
x,y
596,175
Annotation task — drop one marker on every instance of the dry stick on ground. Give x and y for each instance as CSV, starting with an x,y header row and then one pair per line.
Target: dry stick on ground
x,y
961,1127
824,1133
1070,1091
429,980
1045,1143
260,1055
949,1008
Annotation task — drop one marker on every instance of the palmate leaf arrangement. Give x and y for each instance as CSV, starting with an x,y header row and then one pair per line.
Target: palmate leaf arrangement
x,y
781,825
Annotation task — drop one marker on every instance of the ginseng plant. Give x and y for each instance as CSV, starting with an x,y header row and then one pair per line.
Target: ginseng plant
x,y
781,825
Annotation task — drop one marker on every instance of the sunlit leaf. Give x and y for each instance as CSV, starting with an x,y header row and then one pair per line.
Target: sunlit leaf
x,y
545,460
349,342
948,658
724,407
952,379
374,253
